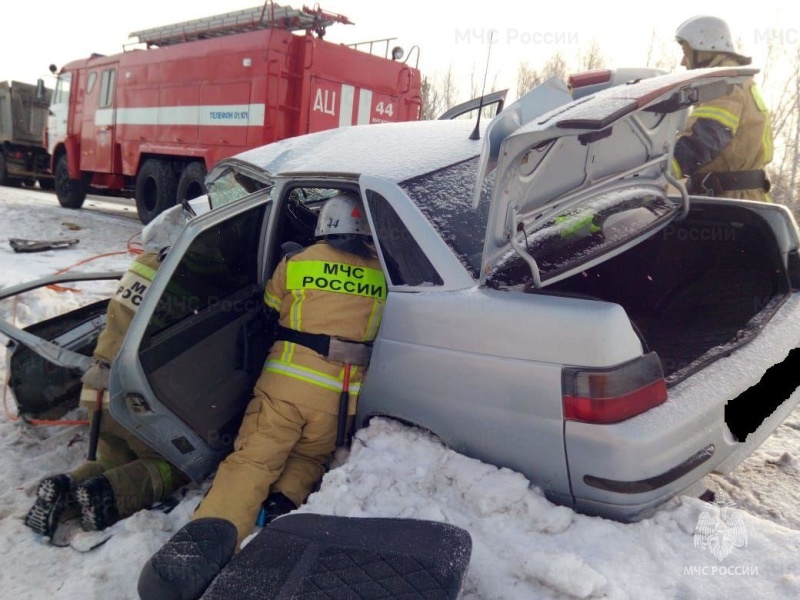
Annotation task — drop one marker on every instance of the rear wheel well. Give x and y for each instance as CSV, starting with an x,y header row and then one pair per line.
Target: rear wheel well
x,y
366,421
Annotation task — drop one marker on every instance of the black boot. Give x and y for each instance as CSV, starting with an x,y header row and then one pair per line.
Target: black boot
x,y
53,497
98,508
276,505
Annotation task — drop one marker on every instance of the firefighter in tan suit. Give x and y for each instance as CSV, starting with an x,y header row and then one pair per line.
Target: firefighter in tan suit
x,y
329,299
727,141
127,475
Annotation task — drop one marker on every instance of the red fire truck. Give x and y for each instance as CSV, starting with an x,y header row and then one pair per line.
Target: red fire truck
x,y
149,122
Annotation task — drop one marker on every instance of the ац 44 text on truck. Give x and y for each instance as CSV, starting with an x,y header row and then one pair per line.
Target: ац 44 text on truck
x,y
151,122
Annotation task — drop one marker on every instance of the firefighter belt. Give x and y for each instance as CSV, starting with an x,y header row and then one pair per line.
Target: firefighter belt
x,y
716,184
333,348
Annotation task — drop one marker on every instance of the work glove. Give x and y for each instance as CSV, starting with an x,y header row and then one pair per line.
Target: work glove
x,y
96,376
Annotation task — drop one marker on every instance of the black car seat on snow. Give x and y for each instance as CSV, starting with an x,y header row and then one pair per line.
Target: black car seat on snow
x,y
304,555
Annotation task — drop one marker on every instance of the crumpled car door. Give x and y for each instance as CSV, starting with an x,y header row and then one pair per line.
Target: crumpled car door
x,y
186,369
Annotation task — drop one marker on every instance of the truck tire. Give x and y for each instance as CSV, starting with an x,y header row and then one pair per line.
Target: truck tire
x,y
46,184
156,189
4,178
192,183
71,192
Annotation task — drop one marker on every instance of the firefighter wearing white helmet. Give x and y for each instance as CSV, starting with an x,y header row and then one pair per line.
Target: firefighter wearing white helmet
x,y
126,475
329,300
727,142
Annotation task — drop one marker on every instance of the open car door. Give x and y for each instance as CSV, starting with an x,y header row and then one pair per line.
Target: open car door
x,y
186,369
46,359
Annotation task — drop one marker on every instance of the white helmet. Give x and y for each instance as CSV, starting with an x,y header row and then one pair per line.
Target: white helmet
x,y
708,34
342,214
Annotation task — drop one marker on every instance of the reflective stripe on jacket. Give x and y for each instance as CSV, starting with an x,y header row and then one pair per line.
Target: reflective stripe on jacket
x,y
124,303
321,290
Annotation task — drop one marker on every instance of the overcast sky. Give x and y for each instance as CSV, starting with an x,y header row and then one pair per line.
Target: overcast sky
x,y
36,33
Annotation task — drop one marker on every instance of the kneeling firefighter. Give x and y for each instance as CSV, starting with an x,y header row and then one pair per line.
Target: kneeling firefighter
x,y
329,300
126,475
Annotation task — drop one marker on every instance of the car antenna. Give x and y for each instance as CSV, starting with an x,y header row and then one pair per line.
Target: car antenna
x,y
476,134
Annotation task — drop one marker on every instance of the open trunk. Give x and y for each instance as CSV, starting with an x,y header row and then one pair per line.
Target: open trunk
x,y
695,290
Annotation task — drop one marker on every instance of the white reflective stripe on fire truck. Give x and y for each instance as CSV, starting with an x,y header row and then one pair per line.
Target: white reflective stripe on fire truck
x,y
364,107
104,117
237,115
346,109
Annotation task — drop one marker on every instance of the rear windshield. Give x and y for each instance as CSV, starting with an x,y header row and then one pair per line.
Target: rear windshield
x,y
445,198
594,228
557,244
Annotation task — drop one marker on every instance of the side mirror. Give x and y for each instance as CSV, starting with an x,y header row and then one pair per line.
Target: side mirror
x,y
53,69
40,89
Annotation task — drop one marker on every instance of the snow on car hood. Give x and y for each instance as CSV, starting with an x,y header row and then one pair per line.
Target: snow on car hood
x,y
558,161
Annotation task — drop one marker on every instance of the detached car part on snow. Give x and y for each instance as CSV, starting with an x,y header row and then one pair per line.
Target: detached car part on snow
x,y
552,308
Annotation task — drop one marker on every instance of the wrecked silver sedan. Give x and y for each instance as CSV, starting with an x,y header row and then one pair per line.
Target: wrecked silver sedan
x,y
557,304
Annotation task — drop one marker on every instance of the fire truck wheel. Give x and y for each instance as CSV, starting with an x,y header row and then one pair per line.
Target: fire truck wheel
x,y
192,183
71,192
156,189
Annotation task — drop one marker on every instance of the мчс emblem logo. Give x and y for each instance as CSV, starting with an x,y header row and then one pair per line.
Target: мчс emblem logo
x,y
720,529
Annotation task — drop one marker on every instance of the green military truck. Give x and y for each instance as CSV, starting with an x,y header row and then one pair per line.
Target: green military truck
x,y
23,117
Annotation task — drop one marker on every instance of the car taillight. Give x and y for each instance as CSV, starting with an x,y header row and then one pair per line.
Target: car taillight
x,y
615,394
589,78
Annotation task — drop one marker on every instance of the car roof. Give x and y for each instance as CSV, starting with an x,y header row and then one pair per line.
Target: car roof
x,y
395,151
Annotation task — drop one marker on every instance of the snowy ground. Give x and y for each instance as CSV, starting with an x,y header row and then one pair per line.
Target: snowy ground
x,y
523,546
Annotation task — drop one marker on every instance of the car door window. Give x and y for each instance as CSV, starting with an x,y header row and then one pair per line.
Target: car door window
x,y
219,262
405,261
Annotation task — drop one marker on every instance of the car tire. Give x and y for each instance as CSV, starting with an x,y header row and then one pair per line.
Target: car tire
x,y
71,192
156,189
192,182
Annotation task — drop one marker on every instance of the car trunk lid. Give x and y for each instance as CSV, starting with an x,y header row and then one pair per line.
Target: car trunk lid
x,y
588,179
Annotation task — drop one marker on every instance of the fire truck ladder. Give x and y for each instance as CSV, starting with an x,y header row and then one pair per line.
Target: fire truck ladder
x,y
269,16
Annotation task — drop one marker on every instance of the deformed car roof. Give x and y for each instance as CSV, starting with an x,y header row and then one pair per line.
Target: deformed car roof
x,y
394,151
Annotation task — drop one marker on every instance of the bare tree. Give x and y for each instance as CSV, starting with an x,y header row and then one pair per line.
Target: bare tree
x,y
780,81
555,66
475,81
438,94
449,89
659,56
591,58
431,99
792,149
527,78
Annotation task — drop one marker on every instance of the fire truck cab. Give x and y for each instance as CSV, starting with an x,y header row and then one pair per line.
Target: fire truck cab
x,y
149,122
